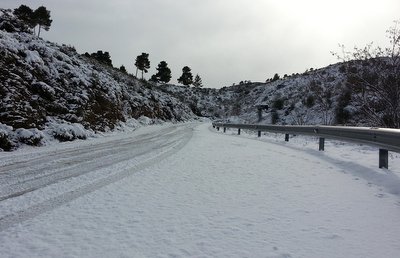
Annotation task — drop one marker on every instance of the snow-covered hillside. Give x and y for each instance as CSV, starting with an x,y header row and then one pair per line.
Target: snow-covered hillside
x,y
49,91
314,97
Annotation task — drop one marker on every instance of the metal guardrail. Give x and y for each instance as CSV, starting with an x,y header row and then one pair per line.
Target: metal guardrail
x,y
384,138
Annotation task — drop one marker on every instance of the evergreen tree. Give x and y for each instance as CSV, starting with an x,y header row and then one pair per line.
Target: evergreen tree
x,y
153,78
25,14
41,17
197,82
142,63
276,77
104,58
186,77
123,69
163,72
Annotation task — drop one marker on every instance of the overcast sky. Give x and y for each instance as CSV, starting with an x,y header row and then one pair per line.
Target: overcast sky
x,y
224,41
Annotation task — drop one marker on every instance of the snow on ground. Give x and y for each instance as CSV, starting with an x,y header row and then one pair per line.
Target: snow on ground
x,y
227,196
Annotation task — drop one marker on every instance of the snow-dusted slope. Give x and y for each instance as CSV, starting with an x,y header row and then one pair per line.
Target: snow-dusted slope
x,y
55,90
315,97
48,91
217,196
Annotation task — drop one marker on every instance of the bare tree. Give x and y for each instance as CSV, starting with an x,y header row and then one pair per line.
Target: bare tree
x,y
373,75
322,93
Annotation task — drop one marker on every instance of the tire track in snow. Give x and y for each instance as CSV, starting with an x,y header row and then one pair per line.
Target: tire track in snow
x,y
169,148
66,168
30,185
10,165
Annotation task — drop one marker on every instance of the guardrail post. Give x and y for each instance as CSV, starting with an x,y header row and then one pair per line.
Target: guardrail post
x,y
259,133
286,137
239,131
383,158
224,129
321,144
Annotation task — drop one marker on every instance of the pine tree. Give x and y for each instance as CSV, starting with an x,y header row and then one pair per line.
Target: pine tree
x,y
142,63
186,77
276,77
41,17
163,72
122,69
104,58
197,82
25,14
153,78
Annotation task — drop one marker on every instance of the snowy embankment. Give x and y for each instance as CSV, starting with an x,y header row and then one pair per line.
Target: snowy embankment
x,y
214,195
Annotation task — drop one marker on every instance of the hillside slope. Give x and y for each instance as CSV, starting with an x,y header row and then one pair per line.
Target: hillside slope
x,y
51,91
50,87
314,97
48,91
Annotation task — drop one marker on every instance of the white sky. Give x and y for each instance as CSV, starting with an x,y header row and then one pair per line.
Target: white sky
x,y
224,41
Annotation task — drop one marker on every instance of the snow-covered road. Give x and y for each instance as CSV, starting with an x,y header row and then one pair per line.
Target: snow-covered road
x,y
32,183
187,191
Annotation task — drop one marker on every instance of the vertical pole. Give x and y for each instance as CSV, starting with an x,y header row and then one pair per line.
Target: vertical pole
x,y
239,131
259,133
321,144
286,137
259,114
217,128
383,158
224,129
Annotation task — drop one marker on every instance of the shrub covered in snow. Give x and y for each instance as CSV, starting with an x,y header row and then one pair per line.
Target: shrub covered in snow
x,y
67,131
32,136
6,143
10,23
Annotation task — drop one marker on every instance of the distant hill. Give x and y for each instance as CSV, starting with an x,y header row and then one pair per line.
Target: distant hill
x,y
314,97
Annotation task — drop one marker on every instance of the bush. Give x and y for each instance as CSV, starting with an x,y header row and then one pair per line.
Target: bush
x,y
310,101
342,115
69,132
5,143
29,136
330,79
278,103
274,117
43,90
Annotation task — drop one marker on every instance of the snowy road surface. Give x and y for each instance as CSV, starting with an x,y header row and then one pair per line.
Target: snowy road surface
x,y
188,191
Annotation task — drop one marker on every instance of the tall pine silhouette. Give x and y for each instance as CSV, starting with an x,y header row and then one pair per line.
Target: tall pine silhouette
x,y
142,63
186,77
41,17
198,83
163,72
